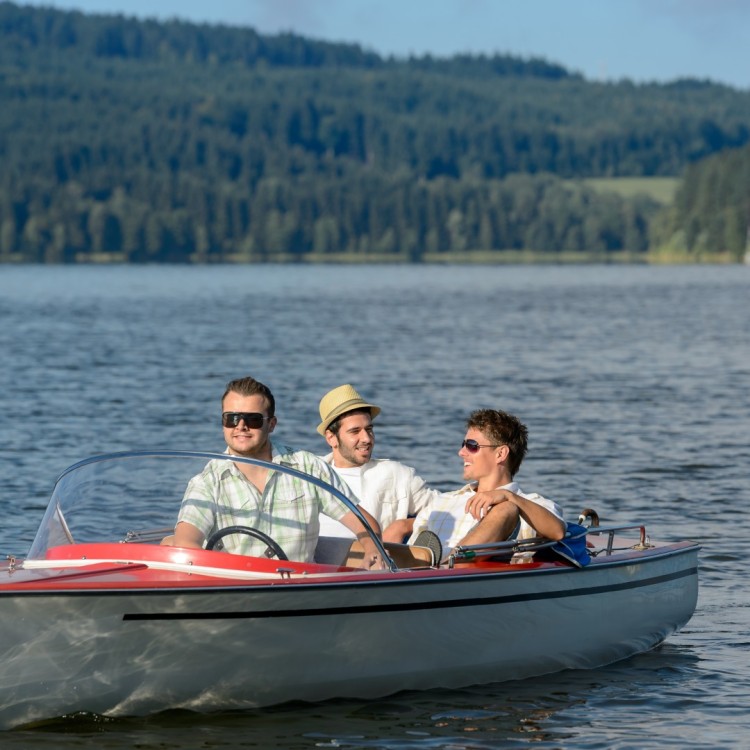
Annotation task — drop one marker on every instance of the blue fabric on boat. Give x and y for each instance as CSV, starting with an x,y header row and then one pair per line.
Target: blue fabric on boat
x,y
573,550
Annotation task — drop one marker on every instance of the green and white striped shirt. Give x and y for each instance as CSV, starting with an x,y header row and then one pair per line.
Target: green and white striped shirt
x,y
287,510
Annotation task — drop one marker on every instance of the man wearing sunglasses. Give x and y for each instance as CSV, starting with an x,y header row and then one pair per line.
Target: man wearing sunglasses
x,y
389,490
281,506
491,507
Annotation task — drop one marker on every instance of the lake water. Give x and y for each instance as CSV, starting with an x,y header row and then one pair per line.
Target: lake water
x,y
634,383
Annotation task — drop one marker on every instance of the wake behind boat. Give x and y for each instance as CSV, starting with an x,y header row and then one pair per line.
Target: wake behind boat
x,y
100,617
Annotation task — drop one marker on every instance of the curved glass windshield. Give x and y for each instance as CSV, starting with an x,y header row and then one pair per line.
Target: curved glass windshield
x,y
135,497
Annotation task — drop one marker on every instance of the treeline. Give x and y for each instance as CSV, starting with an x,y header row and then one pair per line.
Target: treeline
x,y
711,210
173,141
395,218
98,36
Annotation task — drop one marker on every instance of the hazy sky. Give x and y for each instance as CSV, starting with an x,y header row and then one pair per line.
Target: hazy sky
x,y
644,40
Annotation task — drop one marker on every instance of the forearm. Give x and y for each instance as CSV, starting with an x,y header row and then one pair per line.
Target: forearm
x,y
187,535
352,522
546,523
398,530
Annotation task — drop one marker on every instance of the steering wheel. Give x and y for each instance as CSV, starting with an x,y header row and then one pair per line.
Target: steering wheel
x,y
273,547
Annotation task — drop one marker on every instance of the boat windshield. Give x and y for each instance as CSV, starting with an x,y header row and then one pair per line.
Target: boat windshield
x,y
135,497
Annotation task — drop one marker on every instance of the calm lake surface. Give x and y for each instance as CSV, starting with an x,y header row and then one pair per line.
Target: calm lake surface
x,y
634,383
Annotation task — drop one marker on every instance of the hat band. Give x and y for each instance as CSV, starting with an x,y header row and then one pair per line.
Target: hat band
x,y
346,406
352,403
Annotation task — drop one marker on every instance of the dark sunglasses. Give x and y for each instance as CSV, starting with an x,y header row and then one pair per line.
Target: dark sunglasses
x,y
253,420
473,446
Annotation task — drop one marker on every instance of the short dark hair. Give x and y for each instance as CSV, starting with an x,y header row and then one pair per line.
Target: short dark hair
x,y
502,428
251,387
335,426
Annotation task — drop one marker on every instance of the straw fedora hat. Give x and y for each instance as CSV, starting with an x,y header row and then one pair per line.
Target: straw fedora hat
x,y
339,401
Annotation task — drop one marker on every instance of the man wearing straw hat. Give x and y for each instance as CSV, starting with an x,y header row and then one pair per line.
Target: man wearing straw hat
x,y
389,490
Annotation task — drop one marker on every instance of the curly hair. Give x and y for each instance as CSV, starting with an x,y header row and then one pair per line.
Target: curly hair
x,y
502,429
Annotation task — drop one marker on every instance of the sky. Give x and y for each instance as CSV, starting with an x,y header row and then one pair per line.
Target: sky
x,y
641,40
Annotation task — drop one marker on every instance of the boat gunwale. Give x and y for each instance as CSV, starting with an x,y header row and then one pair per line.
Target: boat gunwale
x,y
199,581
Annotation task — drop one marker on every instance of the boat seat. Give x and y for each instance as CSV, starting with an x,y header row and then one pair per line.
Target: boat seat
x,y
344,551
403,555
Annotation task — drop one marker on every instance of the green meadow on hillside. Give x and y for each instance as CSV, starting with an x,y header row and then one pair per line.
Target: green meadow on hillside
x,y
660,189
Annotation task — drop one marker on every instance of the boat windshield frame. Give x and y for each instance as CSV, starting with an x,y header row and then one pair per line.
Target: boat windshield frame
x,y
55,526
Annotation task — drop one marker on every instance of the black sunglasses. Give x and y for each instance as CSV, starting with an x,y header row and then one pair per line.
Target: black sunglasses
x,y
473,446
253,420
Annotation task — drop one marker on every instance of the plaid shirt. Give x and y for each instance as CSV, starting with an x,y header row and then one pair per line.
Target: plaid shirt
x,y
287,510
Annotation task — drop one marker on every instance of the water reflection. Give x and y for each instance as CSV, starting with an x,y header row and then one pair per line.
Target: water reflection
x,y
572,709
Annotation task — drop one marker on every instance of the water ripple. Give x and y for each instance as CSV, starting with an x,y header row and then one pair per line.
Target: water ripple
x,y
633,382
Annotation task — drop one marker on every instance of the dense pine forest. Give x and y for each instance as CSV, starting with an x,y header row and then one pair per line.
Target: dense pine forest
x,y
139,141
711,209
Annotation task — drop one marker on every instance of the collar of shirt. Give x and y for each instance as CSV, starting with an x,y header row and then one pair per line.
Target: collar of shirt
x,y
279,455
282,454
472,487
372,462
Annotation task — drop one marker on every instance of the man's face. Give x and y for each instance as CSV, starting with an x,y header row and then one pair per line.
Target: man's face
x,y
243,440
355,441
482,463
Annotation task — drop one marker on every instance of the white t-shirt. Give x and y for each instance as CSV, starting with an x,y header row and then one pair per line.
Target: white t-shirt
x,y
386,489
353,478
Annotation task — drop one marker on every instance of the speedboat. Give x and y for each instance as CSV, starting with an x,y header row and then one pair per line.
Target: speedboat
x,y
102,617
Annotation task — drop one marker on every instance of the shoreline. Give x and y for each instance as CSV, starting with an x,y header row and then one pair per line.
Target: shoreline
x,y
473,257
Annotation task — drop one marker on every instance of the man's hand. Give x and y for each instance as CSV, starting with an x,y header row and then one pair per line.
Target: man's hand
x,y
480,504
374,562
371,559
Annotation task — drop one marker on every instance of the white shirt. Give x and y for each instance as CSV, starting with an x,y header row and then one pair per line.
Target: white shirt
x,y
447,516
387,489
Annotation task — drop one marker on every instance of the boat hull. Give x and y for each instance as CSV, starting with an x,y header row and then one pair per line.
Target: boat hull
x,y
127,645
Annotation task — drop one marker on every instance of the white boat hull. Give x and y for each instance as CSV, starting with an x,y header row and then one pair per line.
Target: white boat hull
x,y
252,644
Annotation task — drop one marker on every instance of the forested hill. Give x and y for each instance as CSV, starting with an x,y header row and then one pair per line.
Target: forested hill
x,y
138,140
711,209
119,36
